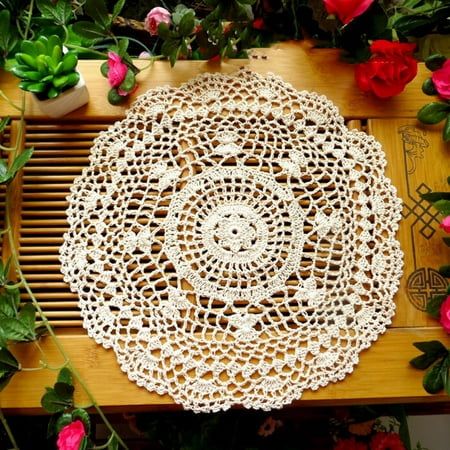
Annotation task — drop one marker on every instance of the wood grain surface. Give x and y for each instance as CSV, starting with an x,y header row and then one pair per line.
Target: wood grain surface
x,y
417,161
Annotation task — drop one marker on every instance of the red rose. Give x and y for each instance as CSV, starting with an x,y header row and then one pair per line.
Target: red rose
x,y
389,70
258,24
444,314
71,436
349,444
386,441
346,10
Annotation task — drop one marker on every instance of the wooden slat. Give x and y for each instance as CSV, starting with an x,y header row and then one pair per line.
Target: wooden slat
x,y
418,161
382,375
319,70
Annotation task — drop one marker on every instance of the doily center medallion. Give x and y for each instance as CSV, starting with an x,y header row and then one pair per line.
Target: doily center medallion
x,y
233,242
234,233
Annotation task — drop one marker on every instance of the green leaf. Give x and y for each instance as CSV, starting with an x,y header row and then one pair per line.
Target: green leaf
x,y
63,420
128,82
445,271
27,315
435,196
113,444
443,206
52,403
84,444
164,31
8,362
65,376
428,87
64,391
104,69
82,415
433,113
14,330
431,347
8,303
20,161
118,6
98,12
424,361
446,130
434,305
69,62
60,11
89,30
52,425
3,172
114,98
4,122
432,381
179,12
8,36
446,241
187,24
26,60
36,88
435,62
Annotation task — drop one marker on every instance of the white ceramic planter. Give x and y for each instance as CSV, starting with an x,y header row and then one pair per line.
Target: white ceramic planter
x,y
65,103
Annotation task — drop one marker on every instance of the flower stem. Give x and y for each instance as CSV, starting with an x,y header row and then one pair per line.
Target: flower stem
x,y
8,100
57,342
8,430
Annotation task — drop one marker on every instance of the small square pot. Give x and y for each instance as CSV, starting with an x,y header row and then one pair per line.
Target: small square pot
x,y
66,102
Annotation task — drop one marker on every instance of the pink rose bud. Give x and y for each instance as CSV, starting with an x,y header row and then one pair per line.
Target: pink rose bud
x,y
445,224
444,318
117,69
145,55
441,81
347,10
71,436
155,17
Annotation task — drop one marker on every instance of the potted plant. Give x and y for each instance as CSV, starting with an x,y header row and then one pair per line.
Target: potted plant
x,y
50,74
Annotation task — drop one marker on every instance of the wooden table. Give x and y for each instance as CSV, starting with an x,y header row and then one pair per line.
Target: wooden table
x,y
418,161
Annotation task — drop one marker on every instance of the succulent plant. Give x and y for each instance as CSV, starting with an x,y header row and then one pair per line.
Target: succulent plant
x,y
43,67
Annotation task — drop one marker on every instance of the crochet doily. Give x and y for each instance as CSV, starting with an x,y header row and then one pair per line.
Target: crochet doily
x,y
234,242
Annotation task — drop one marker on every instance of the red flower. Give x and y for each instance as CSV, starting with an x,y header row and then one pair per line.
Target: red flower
x,y
349,444
444,314
386,441
390,69
117,69
258,24
346,10
441,80
71,436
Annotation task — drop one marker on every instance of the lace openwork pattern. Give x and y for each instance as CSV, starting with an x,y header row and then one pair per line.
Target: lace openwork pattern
x,y
234,242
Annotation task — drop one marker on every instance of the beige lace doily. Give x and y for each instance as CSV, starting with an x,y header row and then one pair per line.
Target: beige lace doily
x,y
234,242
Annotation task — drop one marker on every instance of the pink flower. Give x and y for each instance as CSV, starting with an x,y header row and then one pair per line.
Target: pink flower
x,y
155,17
445,314
117,69
441,81
347,10
445,224
71,436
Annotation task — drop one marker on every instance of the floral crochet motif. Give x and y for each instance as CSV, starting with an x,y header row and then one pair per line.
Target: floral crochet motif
x,y
233,242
